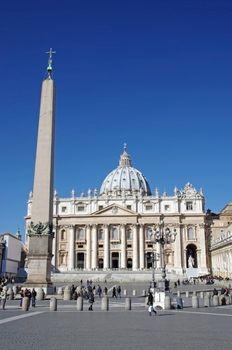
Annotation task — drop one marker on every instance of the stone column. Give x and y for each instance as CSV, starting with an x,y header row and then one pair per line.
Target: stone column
x,y
177,250
88,247
71,247
202,264
141,246
123,246
106,247
94,246
135,247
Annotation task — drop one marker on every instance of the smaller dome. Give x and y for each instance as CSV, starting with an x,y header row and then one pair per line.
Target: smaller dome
x,y
125,178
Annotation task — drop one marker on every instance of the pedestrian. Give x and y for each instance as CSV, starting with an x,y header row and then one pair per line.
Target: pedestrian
x,y
105,290
99,291
21,293
114,293
27,293
4,297
91,300
119,291
33,297
150,300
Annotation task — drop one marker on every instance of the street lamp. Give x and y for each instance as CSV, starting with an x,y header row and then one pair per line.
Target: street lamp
x,y
154,258
163,236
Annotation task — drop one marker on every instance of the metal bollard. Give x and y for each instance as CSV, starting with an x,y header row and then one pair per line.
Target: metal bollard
x,y
67,293
134,292
215,300
195,302
128,304
178,293
105,304
187,294
202,295
80,304
167,302
25,304
144,293
53,304
125,292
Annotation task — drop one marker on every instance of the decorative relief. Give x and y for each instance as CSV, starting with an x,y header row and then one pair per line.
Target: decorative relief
x,y
114,210
190,192
40,229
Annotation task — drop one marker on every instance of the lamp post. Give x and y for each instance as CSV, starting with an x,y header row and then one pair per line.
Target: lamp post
x,y
163,236
154,258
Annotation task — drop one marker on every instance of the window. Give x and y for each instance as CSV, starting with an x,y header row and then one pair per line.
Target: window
x,y
80,208
128,206
100,234
81,234
129,234
114,233
100,207
148,233
189,205
148,207
191,233
63,209
167,207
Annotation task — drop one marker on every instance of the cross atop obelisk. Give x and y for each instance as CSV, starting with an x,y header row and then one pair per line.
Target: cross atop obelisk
x,y
49,67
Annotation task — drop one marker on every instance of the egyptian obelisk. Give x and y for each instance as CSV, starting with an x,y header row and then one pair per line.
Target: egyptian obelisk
x,y
40,232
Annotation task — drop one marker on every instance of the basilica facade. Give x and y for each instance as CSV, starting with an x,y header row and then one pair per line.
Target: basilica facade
x,y
113,229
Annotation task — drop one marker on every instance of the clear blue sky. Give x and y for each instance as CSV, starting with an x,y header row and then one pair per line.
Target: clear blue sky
x,y
154,74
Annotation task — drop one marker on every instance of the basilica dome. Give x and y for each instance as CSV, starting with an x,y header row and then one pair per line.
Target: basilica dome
x,y
125,179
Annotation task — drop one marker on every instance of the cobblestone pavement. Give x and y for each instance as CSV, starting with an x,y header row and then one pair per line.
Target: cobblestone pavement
x,y
203,328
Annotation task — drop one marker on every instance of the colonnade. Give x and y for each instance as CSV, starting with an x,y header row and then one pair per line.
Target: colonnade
x,y
133,248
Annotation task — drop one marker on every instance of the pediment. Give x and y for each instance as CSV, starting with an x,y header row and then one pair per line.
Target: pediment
x,y
227,210
114,210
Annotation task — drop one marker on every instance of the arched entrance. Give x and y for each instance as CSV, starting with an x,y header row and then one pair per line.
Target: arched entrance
x,y
115,260
100,263
80,260
129,263
191,256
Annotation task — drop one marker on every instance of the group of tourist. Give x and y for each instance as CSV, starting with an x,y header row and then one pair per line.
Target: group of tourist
x,y
116,292
30,294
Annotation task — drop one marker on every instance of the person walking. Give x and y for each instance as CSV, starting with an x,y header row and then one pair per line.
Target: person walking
x,y
91,300
27,293
114,293
21,293
4,297
119,291
33,297
150,301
